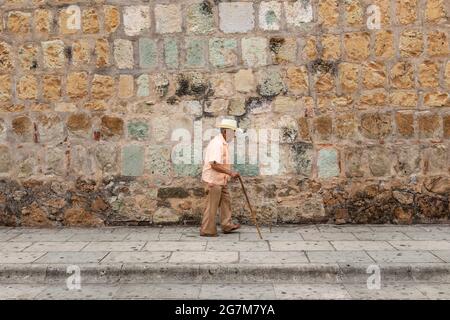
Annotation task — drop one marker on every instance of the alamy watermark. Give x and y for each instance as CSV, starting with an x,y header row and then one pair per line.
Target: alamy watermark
x,y
254,147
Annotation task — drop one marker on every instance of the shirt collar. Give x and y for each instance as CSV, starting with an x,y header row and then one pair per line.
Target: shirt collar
x,y
223,140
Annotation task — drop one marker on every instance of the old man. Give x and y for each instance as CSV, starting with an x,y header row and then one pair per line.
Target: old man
x,y
216,174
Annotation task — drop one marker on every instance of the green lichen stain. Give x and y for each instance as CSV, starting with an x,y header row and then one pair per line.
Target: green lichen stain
x,y
187,170
171,53
271,17
138,130
133,160
194,53
148,53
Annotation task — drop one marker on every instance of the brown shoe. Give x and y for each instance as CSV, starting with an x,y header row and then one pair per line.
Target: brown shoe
x,y
208,235
233,227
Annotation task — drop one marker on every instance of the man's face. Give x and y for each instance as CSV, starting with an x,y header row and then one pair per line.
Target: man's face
x,y
229,135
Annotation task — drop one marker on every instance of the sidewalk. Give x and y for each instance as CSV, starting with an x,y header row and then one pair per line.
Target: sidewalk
x,y
293,261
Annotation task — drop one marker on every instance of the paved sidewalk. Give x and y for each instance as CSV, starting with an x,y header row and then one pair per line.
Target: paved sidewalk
x,y
309,261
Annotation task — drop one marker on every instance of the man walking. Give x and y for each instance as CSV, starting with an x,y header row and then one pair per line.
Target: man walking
x,y
216,174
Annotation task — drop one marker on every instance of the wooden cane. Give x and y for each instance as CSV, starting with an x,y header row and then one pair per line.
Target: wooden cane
x,y
253,215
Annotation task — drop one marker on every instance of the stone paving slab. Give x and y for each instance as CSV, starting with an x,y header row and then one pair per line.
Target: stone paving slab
x,y
300,245
136,257
56,246
442,254
204,257
403,256
14,246
395,291
380,236
272,257
361,245
339,256
72,257
311,291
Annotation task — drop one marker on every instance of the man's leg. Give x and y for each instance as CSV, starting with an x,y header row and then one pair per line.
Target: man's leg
x,y
225,210
209,215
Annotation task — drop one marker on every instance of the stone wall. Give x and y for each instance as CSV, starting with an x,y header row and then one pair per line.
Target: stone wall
x,y
91,92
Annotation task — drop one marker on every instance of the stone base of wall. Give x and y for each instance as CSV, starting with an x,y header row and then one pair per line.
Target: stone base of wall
x,y
134,201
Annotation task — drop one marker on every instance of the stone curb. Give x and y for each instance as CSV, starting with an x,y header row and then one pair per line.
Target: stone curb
x,y
214,273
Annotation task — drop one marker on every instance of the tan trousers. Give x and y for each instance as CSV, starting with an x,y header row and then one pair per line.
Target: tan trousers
x,y
218,196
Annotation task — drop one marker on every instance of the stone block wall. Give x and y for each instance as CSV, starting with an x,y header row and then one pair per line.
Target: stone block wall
x,y
91,92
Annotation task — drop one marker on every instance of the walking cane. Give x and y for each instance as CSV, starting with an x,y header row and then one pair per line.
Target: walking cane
x,y
253,215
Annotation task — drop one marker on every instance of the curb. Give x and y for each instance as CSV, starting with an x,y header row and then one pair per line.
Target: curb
x,y
214,273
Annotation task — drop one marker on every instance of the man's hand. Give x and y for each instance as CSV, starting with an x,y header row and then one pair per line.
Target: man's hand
x,y
235,175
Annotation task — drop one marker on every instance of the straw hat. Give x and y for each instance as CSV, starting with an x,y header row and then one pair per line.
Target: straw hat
x,y
228,124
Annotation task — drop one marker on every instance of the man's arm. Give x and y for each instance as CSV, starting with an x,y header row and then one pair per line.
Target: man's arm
x,y
222,168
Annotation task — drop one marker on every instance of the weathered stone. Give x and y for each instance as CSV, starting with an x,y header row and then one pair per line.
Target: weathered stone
x,y
406,11
354,13
428,74
379,161
428,125
222,52
297,79
79,217
53,54
50,128
79,124
244,80
436,99
298,12
34,216
5,56
148,53
168,18
374,75
327,163
102,53
112,18
328,12
435,159
136,19
236,17
103,87
301,155
18,22
27,87
77,85
111,127
51,87
107,157
5,87
384,44
23,128
165,216
404,99
331,47
354,162
435,10
126,86
171,53
42,20
348,76
80,52
195,52
237,107
437,44
411,43
54,161
356,45
376,125
28,56
284,104
138,130
405,124
440,185
270,15
283,50
200,18
323,127
5,159
446,123
254,51
90,21
270,83
346,126
402,75
132,160
123,53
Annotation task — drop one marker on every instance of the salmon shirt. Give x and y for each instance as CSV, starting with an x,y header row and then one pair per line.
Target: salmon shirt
x,y
217,150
